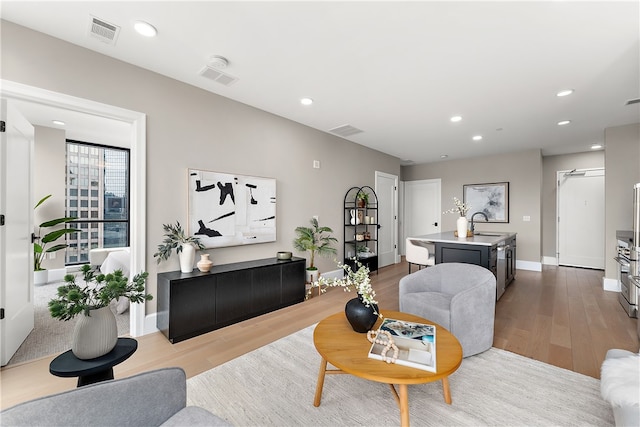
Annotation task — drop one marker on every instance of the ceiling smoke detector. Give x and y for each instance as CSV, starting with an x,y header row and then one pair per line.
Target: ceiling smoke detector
x,y
217,61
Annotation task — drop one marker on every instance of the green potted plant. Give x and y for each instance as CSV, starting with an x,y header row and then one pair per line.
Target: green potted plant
x,y
40,243
316,240
95,332
363,199
185,246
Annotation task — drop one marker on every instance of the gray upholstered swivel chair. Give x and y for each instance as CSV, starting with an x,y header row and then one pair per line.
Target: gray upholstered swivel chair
x,y
459,297
420,253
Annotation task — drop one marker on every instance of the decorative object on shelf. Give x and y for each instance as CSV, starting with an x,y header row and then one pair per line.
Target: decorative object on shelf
x,y
88,301
359,237
461,223
284,255
362,312
362,198
491,199
205,263
355,217
185,246
40,249
316,240
230,209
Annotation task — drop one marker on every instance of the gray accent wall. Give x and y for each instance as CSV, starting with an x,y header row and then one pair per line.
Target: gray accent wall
x,y
523,171
188,127
622,164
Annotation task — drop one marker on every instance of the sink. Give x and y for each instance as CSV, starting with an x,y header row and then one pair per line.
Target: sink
x,y
488,233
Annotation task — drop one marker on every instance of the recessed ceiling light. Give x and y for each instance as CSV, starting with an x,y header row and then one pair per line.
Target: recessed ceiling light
x,y
145,29
477,137
596,146
58,122
456,118
565,92
564,122
306,101
444,156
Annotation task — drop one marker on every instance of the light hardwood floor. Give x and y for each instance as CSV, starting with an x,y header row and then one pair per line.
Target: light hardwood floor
x,y
560,316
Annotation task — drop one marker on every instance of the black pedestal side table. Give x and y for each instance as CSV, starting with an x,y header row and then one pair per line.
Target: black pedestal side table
x,y
93,370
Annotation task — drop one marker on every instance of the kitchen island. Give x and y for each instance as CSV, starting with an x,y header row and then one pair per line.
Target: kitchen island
x,y
495,251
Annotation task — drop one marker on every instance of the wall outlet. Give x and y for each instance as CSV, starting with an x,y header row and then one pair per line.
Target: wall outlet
x,y
316,164
526,218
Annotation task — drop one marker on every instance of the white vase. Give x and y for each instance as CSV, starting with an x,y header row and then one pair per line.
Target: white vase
x,y
461,225
312,275
187,258
94,335
355,219
40,277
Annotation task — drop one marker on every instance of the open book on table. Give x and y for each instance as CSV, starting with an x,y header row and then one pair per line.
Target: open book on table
x,y
416,344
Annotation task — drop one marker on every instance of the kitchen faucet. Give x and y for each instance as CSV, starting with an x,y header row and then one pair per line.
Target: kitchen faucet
x,y
476,213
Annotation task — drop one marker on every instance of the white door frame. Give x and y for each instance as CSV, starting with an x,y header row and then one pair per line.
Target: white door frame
x,y
394,204
437,203
10,89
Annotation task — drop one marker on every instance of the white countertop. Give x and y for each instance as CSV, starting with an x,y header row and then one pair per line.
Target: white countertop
x,y
484,240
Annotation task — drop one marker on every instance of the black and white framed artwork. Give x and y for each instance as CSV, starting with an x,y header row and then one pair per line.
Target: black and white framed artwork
x,y
230,209
491,199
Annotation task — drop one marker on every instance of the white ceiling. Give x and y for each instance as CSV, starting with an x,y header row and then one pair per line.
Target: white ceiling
x,y
396,70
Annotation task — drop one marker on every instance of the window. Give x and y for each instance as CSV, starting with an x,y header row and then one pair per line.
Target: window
x,y
103,199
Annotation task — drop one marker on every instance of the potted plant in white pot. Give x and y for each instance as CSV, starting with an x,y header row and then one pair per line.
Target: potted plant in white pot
x,y
185,246
316,240
96,331
40,243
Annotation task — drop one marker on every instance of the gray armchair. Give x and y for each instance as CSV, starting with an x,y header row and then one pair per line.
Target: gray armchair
x,y
459,297
149,399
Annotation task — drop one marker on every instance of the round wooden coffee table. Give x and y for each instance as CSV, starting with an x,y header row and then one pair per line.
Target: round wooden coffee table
x,y
348,351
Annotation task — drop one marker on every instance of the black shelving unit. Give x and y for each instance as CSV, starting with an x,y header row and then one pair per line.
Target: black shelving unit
x,y
361,228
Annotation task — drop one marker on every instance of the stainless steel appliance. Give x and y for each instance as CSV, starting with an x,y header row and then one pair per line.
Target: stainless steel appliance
x,y
628,291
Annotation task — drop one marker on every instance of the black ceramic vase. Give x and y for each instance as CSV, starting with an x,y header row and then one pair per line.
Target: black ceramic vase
x,y
361,317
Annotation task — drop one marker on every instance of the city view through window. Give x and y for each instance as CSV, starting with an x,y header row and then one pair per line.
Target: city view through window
x,y
97,193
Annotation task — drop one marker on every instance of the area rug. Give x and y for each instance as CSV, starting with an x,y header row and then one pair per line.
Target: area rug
x,y
275,385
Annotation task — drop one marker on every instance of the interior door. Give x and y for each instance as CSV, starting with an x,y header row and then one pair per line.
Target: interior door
x,y
581,224
422,207
16,255
387,192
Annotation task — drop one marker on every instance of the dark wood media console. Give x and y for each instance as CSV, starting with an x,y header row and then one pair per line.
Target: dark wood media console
x,y
191,304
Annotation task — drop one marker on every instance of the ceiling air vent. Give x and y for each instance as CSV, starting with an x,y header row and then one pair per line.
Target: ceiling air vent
x,y
633,101
103,31
218,76
345,130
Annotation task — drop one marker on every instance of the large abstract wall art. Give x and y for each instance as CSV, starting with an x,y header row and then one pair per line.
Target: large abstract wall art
x,y
230,210
491,199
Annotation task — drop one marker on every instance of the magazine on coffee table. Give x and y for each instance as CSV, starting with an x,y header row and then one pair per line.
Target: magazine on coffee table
x,y
416,344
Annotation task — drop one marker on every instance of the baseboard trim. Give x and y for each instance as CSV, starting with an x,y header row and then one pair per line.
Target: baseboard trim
x,y
549,260
335,274
612,285
528,265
